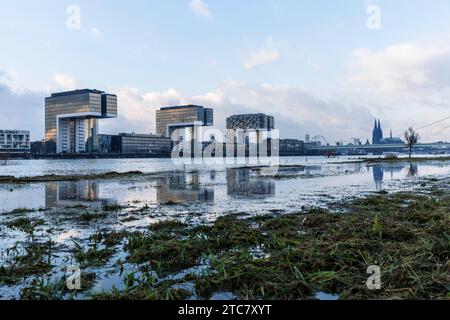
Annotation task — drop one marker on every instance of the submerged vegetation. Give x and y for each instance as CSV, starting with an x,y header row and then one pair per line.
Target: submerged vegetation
x,y
273,256
406,235
53,177
394,159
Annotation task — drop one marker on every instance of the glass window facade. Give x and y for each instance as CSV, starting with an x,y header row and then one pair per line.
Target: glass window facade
x,y
131,143
167,119
145,143
14,140
251,121
71,119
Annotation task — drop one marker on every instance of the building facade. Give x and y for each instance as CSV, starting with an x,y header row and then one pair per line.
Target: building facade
x,y
144,143
392,140
169,119
71,119
132,143
291,147
14,141
378,137
377,134
239,127
256,121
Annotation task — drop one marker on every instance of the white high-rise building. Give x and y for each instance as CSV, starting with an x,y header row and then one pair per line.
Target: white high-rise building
x,y
14,140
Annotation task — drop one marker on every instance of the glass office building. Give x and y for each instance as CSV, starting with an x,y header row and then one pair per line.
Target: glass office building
x,y
133,143
144,143
71,119
169,119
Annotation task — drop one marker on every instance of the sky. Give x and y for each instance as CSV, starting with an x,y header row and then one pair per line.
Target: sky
x,y
320,67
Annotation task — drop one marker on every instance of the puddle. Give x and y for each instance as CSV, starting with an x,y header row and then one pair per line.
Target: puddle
x,y
326,296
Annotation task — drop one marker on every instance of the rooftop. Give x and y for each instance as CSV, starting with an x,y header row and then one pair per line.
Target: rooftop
x,y
183,107
147,135
250,115
69,93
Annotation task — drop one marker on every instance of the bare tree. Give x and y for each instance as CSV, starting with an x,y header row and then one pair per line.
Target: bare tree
x,y
411,139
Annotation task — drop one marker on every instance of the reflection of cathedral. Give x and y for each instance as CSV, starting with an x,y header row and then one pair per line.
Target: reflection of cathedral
x,y
380,169
74,193
378,175
241,184
182,188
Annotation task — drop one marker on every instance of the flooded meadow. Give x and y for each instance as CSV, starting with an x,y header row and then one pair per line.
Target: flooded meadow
x,y
154,230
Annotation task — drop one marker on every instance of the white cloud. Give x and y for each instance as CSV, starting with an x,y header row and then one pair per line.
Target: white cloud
x,y
63,82
200,8
406,84
296,111
403,84
97,33
22,110
137,111
265,55
4,76
400,68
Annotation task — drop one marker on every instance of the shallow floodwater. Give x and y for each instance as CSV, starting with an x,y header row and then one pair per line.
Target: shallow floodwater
x,y
195,195
211,192
27,168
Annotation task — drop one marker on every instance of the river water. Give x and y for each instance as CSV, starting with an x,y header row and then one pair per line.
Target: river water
x,y
212,190
191,194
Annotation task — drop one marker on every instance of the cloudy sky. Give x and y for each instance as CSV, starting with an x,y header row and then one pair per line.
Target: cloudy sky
x,y
320,67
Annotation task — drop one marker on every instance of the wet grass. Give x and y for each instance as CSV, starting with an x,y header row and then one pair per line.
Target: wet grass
x,y
52,177
108,239
19,211
23,261
40,289
92,257
112,208
24,224
396,159
406,234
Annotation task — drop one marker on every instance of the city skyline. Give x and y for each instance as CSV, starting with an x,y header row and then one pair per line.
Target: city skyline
x,y
316,67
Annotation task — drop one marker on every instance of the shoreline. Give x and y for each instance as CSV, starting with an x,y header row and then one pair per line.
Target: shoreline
x,y
394,160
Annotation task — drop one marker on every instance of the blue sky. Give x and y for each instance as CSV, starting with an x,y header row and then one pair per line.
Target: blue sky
x,y
314,54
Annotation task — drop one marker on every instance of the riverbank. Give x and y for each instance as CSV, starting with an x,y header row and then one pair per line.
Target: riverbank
x,y
81,177
402,160
303,255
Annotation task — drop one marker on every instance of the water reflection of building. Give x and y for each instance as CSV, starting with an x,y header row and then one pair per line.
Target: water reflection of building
x,y
379,171
182,188
74,193
241,183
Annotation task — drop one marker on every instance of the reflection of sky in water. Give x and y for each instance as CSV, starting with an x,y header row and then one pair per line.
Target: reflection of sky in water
x,y
228,190
22,168
193,196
